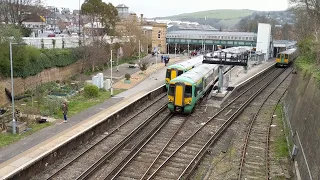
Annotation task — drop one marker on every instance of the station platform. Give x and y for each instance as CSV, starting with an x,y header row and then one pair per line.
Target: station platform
x,y
21,154
18,155
236,77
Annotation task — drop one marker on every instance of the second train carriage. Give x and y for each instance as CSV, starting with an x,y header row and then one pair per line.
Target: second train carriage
x,y
176,70
186,90
286,57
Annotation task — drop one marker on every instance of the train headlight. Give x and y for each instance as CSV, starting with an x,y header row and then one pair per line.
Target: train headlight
x,y
169,100
189,101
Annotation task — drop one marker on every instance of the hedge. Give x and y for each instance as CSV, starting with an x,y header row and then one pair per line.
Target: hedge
x,y
29,61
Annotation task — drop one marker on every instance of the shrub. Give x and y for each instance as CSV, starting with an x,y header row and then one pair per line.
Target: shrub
x,y
127,76
143,66
91,91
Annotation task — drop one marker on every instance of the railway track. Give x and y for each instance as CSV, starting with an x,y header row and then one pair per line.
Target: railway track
x,y
141,160
110,142
254,163
182,161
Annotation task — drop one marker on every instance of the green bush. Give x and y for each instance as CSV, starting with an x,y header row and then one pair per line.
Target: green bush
x,y
91,91
127,76
29,61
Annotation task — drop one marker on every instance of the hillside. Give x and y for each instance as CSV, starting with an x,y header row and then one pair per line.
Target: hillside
x,y
222,14
230,18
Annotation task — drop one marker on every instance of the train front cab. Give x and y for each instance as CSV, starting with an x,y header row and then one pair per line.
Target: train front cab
x,y
282,60
180,97
171,74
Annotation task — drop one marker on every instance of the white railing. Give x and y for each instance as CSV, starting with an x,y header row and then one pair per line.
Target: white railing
x,y
69,42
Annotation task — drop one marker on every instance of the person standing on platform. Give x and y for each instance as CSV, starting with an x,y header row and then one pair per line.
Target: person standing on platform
x,y
65,111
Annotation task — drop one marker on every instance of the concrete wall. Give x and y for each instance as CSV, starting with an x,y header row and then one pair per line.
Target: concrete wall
x,y
48,75
302,116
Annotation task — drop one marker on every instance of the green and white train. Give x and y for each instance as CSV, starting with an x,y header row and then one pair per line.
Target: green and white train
x,y
187,89
177,69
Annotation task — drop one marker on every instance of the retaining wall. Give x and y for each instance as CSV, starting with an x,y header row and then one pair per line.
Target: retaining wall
x,y
302,112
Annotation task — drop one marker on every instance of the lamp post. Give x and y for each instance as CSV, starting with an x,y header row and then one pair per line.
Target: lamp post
x,y
167,48
111,88
188,49
79,19
139,51
175,51
12,93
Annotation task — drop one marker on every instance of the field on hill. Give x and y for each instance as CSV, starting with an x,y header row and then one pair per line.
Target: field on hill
x,y
223,14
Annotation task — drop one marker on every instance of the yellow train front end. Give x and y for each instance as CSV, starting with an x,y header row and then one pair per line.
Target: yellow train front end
x,y
180,97
171,74
282,60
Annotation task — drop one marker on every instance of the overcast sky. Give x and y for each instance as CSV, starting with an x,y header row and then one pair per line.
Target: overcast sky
x,y
158,8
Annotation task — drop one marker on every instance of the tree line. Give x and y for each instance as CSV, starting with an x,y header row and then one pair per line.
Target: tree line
x,y
94,56
307,29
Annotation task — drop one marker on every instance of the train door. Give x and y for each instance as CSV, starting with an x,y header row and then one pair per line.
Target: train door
x,y
282,58
179,94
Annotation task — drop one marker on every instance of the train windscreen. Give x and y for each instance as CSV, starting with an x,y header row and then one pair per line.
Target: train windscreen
x,y
171,90
168,74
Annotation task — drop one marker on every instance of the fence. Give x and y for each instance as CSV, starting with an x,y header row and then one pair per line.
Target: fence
x,y
66,42
56,42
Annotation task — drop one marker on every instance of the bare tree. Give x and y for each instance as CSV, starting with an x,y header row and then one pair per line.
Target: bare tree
x,y
308,17
131,31
16,11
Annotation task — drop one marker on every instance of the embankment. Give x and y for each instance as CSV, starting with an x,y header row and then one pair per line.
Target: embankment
x,y
48,75
302,110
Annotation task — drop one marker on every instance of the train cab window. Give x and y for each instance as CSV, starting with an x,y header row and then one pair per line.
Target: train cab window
x,y
278,56
188,91
168,74
286,56
180,72
171,90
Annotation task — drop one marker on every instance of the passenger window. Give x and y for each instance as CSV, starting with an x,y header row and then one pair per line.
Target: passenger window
x,y
188,91
171,90
180,72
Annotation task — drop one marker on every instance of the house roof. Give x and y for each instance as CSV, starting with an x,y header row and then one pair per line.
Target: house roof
x,y
33,18
122,6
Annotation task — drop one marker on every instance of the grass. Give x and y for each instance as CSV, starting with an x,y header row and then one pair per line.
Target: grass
x,y
6,139
80,103
77,104
281,148
229,22
224,14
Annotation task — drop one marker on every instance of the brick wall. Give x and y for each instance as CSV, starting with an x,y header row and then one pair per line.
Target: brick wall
x,y
48,75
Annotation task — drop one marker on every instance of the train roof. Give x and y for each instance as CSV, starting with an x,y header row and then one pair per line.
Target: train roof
x,y
289,51
195,74
189,63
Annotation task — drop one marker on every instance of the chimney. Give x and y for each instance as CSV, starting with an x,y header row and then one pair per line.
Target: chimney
x,y
141,18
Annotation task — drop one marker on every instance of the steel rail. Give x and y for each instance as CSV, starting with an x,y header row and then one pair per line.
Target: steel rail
x,y
114,149
220,131
246,142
